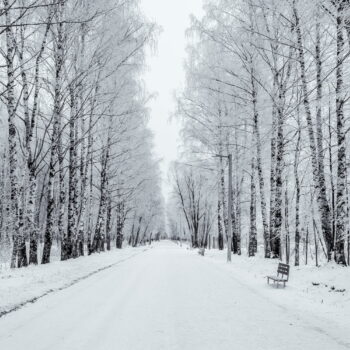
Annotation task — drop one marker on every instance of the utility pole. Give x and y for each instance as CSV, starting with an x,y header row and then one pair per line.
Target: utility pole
x,y
229,216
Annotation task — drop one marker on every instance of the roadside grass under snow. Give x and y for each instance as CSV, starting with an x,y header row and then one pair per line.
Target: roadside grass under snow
x,y
21,286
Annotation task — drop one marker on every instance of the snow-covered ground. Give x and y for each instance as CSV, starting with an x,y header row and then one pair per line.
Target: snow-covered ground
x,y
318,295
20,286
169,297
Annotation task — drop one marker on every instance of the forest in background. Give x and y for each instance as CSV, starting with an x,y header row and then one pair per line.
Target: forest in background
x,y
267,82
77,168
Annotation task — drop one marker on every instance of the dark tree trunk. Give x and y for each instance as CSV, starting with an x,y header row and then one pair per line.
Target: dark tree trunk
x,y
341,173
253,244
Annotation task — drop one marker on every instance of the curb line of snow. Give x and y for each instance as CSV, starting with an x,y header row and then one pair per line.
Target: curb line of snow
x,y
67,285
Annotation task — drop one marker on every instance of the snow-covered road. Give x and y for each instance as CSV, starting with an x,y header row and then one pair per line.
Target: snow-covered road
x,y
165,298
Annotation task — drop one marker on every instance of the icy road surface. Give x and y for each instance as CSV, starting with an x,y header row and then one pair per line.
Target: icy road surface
x,y
165,298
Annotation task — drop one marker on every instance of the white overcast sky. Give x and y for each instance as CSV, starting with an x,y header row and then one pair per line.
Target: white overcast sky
x,y
165,72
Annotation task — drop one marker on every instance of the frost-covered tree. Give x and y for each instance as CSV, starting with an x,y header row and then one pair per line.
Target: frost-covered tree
x,y
78,149
266,80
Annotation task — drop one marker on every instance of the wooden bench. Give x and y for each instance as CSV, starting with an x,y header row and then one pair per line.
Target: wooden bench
x,y
282,275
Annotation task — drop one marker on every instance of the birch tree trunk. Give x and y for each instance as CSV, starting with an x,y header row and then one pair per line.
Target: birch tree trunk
x,y
319,184
55,137
29,172
341,171
84,173
89,163
253,243
297,197
83,191
62,232
69,246
136,240
223,198
277,205
219,218
320,152
237,225
119,238
19,251
272,175
267,247
99,237
109,222
331,173
89,234
286,222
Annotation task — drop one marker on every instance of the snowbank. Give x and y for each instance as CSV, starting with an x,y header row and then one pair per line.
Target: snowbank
x,y
21,286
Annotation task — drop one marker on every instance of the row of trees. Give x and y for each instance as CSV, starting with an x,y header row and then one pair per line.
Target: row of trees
x,y
267,83
191,199
76,166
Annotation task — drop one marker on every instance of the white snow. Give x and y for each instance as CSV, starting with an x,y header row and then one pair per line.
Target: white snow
x,y
319,296
170,297
19,286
